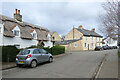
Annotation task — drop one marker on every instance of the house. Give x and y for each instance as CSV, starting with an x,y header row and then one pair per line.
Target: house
x,y
14,31
109,42
81,39
55,36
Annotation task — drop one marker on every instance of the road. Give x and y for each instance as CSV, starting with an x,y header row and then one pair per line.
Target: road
x,y
81,64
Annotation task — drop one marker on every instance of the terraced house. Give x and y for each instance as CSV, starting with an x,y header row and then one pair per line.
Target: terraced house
x,y
14,31
81,39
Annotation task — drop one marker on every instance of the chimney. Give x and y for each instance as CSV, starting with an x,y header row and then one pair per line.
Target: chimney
x,y
16,11
93,29
19,12
80,27
17,16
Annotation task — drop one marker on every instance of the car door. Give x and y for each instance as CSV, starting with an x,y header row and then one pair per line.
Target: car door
x,y
44,55
37,55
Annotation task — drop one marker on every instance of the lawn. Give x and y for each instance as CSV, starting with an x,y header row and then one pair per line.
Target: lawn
x,y
119,54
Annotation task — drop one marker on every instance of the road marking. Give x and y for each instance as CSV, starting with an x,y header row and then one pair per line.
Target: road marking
x,y
97,71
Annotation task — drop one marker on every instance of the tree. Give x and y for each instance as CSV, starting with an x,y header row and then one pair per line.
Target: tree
x,y
110,21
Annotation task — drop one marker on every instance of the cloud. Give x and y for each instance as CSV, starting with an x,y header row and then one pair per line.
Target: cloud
x,y
56,16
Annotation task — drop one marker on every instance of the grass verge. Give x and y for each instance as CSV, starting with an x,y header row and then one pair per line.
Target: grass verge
x,y
119,54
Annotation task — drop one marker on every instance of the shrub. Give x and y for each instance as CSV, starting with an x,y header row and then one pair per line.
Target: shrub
x,y
9,53
55,50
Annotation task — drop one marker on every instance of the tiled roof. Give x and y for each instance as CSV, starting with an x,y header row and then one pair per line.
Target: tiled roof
x,y
65,42
88,32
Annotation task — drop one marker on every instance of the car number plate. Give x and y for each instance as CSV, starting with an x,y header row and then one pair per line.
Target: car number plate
x,y
21,62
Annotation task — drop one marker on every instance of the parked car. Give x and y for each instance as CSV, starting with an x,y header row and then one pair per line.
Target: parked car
x,y
98,48
114,47
32,57
104,47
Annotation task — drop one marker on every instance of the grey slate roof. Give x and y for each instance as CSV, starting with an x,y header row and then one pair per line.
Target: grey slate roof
x,y
65,42
88,32
25,28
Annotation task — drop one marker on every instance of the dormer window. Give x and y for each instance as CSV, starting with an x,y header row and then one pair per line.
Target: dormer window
x,y
16,33
34,34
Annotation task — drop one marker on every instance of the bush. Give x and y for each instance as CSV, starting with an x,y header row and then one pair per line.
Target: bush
x,y
55,50
9,53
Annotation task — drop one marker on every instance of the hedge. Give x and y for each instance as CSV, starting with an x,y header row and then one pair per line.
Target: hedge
x,y
55,50
9,53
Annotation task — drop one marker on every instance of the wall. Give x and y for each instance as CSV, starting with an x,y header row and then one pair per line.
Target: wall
x,y
89,41
72,47
1,34
56,36
77,35
18,41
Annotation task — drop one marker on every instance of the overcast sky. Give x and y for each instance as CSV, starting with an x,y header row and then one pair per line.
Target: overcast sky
x,y
57,16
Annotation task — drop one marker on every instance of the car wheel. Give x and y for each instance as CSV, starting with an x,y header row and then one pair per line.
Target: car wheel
x,y
33,64
50,60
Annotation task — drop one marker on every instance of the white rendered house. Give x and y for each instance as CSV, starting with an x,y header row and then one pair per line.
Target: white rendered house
x,y
13,31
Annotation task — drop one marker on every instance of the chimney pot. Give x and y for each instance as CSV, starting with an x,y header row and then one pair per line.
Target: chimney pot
x,y
80,27
93,29
18,11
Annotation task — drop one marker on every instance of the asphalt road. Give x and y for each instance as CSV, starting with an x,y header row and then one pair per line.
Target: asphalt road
x,y
76,65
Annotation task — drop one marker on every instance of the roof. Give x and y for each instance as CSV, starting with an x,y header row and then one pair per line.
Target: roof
x,y
65,42
25,28
88,32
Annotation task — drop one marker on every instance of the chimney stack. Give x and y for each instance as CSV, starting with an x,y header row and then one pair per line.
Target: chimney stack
x,y
80,27
17,15
16,11
19,12
93,30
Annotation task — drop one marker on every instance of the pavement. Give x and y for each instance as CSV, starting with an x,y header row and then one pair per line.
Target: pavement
x,y
77,65
110,66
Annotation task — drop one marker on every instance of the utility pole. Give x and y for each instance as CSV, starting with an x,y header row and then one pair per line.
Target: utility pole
x,y
73,32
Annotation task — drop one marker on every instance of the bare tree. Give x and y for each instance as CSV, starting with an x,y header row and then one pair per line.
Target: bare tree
x,y
109,22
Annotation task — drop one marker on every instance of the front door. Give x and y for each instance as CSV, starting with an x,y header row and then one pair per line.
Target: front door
x,y
88,46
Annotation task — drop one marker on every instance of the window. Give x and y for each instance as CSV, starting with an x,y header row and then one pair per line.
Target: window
x,y
85,45
42,51
34,35
16,33
75,45
53,38
36,51
0,30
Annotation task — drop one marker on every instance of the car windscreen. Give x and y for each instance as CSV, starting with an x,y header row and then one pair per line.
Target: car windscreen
x,y
24,52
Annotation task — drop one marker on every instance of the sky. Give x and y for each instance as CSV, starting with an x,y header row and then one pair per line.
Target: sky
x,y
57,16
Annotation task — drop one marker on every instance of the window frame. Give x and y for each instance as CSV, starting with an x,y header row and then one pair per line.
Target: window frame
x,y
15,33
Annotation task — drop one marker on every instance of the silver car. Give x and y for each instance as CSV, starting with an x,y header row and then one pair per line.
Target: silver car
x,y
32,57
